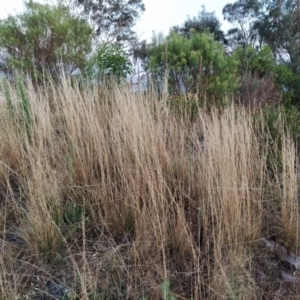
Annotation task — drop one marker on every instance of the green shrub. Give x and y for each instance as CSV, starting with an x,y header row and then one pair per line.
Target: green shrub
x,y
45,39
196,65
109,60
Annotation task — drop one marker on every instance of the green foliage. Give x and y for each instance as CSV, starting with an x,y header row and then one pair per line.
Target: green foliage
x,y
21,117
195,65
25,107
166,291
8,98
276,24
244,55
242,14
185,106
55,211
282,118
109,60
204,22
258,63
290,83
72,214
261,63
113,19
276,122
45,38
291,118
273,118
279,26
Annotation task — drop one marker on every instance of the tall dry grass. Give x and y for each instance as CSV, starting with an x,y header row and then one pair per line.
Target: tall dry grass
x,y
112,196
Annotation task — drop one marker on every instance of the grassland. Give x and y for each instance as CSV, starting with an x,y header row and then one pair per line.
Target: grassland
x,y
109,194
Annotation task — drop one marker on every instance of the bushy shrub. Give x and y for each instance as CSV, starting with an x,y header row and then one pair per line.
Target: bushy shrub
x,y
257,63
109,60
196,65
44,39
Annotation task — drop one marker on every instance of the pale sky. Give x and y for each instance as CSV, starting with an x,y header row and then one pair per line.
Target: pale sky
x,y
159,15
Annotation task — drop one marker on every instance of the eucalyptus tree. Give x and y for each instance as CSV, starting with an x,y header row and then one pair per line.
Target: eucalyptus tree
x,y
113,19
45,38
242,14
204,22
278,25
275,23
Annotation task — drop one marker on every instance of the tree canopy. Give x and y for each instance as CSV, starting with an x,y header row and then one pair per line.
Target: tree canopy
x,y
204,22
113,19
241,13
45,38
273,23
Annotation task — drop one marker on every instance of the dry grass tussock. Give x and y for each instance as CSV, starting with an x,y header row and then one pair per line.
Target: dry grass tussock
x,y
106,194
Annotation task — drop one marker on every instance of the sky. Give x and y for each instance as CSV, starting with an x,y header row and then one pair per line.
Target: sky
x,y
159,15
